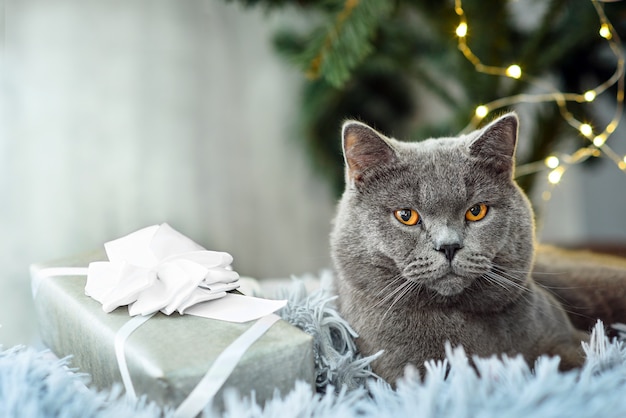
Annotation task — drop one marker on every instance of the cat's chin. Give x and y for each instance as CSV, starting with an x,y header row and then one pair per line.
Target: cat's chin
x,y
450,285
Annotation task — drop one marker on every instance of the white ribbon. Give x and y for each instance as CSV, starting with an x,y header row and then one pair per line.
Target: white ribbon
x,y
158,268
222,368
120,341
212,381
38,274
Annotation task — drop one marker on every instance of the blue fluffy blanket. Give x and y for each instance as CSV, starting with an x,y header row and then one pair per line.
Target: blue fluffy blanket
x,y
36,384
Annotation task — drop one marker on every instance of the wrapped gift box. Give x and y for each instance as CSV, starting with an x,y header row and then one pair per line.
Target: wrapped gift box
x,y
168,355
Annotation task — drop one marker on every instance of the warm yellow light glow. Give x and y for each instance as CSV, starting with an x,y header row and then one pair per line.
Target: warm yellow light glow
x,y
514,71
556,166
458,7
605,31
590,95
555,175
461,30
552,162
586,129
599,140
546,195
610,128
482,111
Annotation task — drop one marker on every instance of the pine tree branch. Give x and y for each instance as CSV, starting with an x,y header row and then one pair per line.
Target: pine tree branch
x,y
347,41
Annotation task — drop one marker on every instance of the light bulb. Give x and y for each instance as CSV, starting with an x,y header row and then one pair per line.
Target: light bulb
x,y
586,129
552,162
590,95
461,30
555,175
482,111
514,71
599,140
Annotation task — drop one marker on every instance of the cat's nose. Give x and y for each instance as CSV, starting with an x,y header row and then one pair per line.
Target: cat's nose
x,y
449,250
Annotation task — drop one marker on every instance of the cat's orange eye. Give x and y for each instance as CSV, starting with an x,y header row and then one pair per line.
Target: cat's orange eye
x,y
408,217
476,212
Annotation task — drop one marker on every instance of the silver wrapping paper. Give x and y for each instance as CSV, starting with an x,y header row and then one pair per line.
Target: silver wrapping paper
x,y
168,355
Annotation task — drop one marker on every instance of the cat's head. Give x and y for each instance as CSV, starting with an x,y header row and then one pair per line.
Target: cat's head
x,y
444,214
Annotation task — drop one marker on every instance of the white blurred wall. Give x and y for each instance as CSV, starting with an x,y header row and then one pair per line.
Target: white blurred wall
x,y
121,114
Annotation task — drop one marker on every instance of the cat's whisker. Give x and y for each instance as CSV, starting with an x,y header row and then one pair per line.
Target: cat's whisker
x,y
563,303
488,277
394,292
547,286
515,278
560,302
517,273
518,276
392,282
548,273
407,287
394,295
503,282
508,283
532,272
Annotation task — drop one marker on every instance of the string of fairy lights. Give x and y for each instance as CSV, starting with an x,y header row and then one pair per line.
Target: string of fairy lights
x,y
597,147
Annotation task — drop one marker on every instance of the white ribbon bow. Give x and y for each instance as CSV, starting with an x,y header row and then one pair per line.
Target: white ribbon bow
x,y
158,268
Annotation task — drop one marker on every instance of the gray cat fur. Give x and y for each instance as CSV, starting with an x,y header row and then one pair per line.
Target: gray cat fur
x,y
395,284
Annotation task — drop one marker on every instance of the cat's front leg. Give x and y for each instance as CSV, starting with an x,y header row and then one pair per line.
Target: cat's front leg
x,y
569,349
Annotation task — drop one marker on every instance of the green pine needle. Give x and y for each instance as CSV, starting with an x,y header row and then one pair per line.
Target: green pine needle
x,y
346,41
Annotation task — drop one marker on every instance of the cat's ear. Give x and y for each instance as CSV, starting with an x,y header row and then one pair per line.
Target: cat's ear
x,y
495,144
363,149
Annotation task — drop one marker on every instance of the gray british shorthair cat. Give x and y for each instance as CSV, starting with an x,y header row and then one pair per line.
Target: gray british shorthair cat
x,y
434,241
